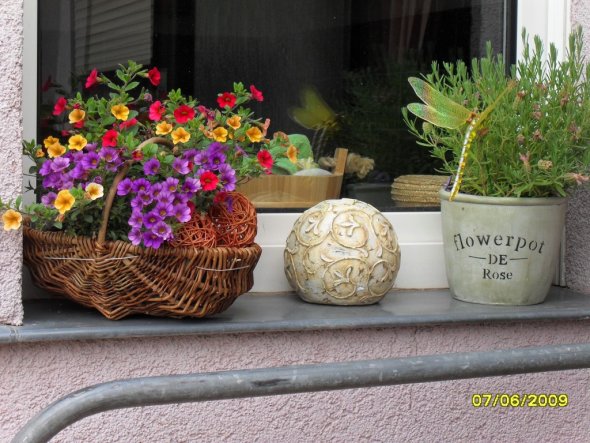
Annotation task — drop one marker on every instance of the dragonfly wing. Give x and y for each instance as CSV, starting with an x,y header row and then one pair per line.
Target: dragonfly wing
x,y
438,101
435,117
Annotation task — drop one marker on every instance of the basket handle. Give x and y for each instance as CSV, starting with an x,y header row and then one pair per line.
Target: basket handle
x,y
108,202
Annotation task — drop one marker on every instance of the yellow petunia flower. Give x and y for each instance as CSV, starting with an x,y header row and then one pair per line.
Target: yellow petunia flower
x,y
11,220
234,122
56,150
50,141
94,191
77,115
220,134
64,201
292,154
163,128
77,142
179,135
254,134
39,153
121,112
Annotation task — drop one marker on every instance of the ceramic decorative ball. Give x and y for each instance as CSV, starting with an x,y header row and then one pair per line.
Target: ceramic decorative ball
x,y
342,252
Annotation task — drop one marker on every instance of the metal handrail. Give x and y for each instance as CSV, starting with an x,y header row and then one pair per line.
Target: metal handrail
x,y
149,391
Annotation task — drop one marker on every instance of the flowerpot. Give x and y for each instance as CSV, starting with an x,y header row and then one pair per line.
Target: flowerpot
x,y
501,250
295,191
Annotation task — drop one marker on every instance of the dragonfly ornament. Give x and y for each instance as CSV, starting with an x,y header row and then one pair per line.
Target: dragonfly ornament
x,y
443,112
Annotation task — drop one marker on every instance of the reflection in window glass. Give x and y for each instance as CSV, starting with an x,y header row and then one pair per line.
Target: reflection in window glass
x,y
354,55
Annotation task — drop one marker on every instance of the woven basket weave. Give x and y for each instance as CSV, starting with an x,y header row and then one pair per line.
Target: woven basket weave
x,y
120,279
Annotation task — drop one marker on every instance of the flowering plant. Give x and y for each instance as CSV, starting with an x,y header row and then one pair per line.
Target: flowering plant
x,y
164,158
529,130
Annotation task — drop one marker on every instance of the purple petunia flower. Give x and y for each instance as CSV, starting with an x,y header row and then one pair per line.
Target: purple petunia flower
x,y
109,154
165,197
151,219
201,158
171,184
90,147
162,230
136,219
182,212
145,197
216,148
91,160
164,209
189,155
152,240
124,186
59,164
151,167
156,190
179,198
79,172
141,184
48,199
45,168
136,203
191,186
216,159
181,166
135,236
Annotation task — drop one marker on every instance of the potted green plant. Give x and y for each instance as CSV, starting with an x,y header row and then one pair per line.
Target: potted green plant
x,y
122,177
515,142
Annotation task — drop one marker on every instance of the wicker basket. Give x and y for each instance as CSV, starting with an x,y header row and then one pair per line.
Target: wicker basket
x,y
120,279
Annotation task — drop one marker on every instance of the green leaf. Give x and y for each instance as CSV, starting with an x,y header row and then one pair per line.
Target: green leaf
x,y
131,86
150,150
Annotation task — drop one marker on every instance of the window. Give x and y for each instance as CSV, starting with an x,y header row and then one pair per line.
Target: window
x,y
356,54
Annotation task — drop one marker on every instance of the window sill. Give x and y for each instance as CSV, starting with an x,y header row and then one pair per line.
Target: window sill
x,y
59,319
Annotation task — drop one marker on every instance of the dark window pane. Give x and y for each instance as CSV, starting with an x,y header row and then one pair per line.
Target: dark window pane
x,y
355,54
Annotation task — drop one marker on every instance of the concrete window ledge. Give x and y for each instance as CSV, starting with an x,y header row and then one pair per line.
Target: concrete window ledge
x,y
58,319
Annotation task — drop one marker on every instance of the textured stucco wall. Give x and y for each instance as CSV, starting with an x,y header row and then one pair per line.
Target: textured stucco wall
x,y
578,227
11,44
35,374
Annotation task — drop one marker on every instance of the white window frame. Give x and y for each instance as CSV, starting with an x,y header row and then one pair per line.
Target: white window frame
x,y
419,233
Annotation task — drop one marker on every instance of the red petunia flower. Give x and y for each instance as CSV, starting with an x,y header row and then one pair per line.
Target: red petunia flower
x,y
92,79
208,181
137,155
265,159
127,124
184,113
256,94
110,138
79,124
226,99
60,106
156,111
154,76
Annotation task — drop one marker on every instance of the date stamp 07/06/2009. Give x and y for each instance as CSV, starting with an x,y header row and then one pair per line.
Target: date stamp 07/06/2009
x,y
505,400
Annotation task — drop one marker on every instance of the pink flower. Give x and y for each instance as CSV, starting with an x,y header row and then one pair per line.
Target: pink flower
x,y
154,76
184,113
156,111
226,99
127,124
92,79
109,139
60,106
208,181
256,94
264,158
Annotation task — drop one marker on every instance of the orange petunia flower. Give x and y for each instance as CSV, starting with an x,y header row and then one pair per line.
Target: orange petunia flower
x,y
163,128
64,201
292,152
254,134
120,111
11,219
56,150
77,142
50,141
77,115
94,191
180,135
220,134
234,122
